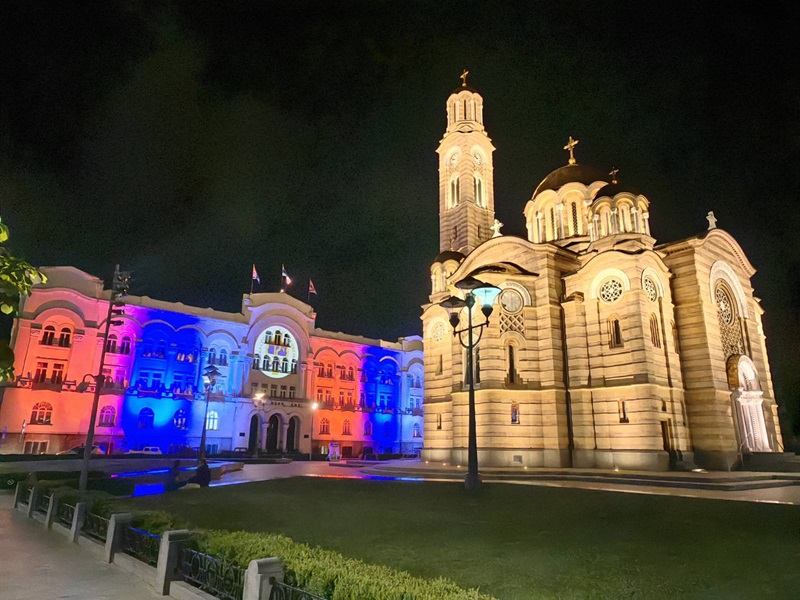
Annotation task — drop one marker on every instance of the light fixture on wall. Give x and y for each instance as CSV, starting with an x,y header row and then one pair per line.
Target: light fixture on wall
x,y
475,292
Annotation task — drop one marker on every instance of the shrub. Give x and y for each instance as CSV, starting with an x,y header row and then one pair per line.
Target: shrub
x,y
156,521
327,573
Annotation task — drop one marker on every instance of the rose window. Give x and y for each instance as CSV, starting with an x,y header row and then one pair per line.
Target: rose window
x,y
611,290
650,288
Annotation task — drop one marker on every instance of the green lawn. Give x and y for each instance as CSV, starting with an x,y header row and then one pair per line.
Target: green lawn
x,y
516,541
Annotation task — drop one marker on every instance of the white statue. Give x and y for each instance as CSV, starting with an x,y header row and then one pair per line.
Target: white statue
x,y
712,220
496,228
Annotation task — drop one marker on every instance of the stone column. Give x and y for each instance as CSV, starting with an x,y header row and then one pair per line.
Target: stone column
x,y
77,521
257,585
284,435
636,224
646,216
116,524
614,220
560,208
539,228
168,557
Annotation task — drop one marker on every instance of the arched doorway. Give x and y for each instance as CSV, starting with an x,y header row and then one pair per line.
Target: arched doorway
x,y
291,434
273,433
252,442
748,404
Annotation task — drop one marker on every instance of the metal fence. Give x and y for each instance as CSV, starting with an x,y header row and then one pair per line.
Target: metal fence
x,y
95,526
26,495
283,591
214,576
42,503
141,544
65,514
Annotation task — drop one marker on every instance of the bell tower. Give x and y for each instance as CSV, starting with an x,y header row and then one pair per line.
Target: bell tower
x,y
466,179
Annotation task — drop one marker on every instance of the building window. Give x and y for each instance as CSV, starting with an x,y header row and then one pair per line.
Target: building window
x,y
479,191
346,427
417,433
439,421
179,419
108,416
125,345
223,358
58,373
515,413
212,420
611,291
256,362
161,349
294,366
729,328
650,289
283,391
273,391
41,372
265,363
212,356
146,417
655,337
341,398
511,374
454,192
276,363
292,391
368,428
48,338
575,218
324,427
35,448
319,395
614,333
42,414
623,412
111,344
65,339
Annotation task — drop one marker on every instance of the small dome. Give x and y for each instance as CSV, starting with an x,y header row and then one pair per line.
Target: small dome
x,y
464,88
568,174
449,255
612,189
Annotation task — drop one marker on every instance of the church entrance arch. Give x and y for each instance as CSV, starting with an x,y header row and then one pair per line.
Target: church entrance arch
x,y
747,400
273,434
252,441
291,434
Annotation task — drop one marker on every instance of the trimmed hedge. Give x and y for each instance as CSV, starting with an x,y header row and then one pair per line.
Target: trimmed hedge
x,y
327,573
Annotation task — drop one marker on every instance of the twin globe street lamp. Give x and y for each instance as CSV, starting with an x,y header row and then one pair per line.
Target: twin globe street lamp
x,y
475,292
210,374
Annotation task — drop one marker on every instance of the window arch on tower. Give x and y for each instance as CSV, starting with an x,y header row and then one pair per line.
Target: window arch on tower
x,y
575,218
478,184
454,192
615,332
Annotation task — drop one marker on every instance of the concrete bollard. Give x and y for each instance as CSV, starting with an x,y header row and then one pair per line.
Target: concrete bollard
x,y
77,521
32,501
51,509
18,493
256,579
168,557
116,524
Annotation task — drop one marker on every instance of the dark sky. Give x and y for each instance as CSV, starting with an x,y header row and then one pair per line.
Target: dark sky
x,y
187,141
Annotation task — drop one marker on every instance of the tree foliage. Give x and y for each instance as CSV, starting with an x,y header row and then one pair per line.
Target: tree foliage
x,y
17,277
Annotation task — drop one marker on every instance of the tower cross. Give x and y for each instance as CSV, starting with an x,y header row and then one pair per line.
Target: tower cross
x,y
463,77
571,148
613,174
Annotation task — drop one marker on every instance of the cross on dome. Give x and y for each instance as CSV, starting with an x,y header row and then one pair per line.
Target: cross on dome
x,y
571,148
613,174
463,78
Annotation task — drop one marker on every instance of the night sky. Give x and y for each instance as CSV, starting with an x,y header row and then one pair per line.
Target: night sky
x,y
190,140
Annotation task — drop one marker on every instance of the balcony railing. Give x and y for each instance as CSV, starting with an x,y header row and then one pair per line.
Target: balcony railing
x,y
215,576
42,503
141,544
95,526
65,513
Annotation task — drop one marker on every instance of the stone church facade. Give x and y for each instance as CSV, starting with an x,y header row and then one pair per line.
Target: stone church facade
x,y
604,349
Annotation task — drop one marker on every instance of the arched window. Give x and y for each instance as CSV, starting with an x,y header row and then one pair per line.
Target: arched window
x,y
147,348
276,363
324,427
212,421
108,416
511,367
65,339
575,230
179,419
553,235
319,395
146,417
287,339
161,349
479,190
439,421
294,365
614,333
454,194
265,363
256,362
515,413
285,365
368,428
278,341
49,335
728,317
111,344
212,356
125,345
223,358
417,433
650,289
655,336
42,413
346,427
329,371
268,337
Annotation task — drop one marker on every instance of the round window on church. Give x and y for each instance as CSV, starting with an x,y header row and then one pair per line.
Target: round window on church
x,y
650,288
511,301
724,305
611,290
279,352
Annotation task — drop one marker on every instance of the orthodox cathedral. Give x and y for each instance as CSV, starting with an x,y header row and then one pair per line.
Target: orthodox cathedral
x,y
604,348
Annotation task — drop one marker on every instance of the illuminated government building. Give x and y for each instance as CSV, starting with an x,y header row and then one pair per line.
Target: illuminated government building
x,y
604,349
284,385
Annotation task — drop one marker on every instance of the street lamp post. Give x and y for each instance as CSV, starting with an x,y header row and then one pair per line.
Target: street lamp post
x,y
485,294
119,287
210,374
